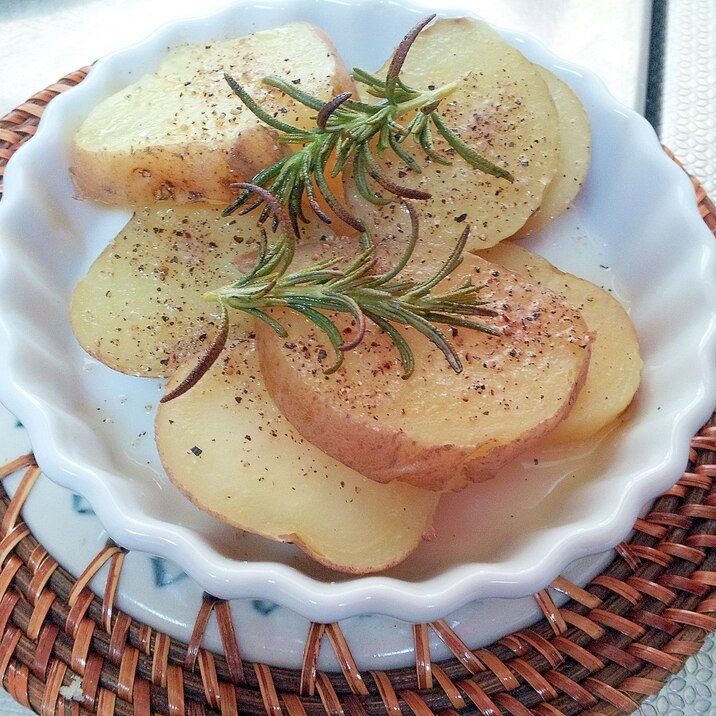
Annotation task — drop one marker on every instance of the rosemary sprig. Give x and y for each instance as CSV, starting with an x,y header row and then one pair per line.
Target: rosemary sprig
x,y
383,298
345,131
386,299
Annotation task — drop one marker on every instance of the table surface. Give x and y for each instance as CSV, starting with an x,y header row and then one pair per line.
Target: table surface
x,y
43,40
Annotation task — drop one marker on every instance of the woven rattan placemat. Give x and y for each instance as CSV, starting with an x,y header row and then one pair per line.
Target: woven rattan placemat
x,y
65,650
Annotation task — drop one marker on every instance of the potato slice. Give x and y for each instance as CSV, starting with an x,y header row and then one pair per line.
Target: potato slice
x,y
503,109
575,148
181,134
139,309
229,449
615,366
438,430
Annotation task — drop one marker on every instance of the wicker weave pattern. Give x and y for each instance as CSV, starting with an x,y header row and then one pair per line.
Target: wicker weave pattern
x,y
65,650
18,126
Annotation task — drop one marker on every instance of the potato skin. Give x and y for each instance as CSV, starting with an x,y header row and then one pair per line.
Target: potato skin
x,y
181,135
437,430
184,174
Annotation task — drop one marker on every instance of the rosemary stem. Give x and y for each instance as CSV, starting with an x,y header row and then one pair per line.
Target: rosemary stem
x,y
362,126
427,97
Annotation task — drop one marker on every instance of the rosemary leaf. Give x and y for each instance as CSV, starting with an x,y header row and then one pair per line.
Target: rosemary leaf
x,y
468,154
406,354
292,90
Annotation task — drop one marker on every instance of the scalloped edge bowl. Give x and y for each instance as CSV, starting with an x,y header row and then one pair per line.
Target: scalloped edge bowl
x,y
657,243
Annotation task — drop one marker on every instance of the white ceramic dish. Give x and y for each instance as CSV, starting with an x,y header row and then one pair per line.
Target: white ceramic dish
x,y
634,228
156,592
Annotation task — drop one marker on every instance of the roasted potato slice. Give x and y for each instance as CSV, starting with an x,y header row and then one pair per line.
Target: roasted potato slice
x,y
615,367
229,449
503,109
181,134
139,309
574,152
438,430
